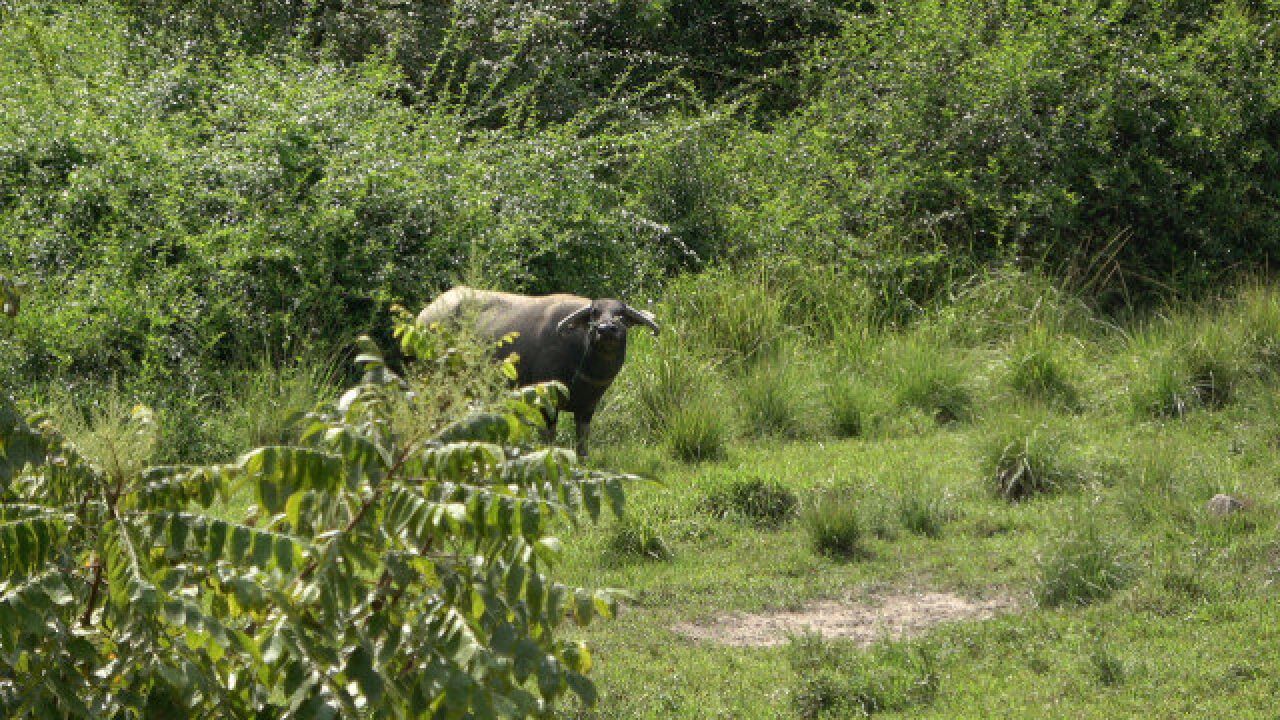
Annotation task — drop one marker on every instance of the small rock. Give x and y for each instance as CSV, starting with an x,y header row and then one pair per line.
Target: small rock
x,y
1221,505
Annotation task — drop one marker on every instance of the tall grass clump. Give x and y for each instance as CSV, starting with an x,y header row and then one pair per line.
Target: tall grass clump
x,y
923,515
836,679
833,520
1030,457
1187,363
852,404
697,430
265,405
1039,367
928,376
776,398
736,318
120,435
1257,311
637,537
1007,301
658,378
1082,568
763,502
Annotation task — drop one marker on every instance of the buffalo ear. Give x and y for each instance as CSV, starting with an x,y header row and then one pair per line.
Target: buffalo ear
x,y
640,317
573,320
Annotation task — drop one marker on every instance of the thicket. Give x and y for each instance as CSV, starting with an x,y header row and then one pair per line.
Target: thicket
x,y
189,188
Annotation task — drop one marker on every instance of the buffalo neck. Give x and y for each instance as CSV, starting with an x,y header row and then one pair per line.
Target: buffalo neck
x,y
599,364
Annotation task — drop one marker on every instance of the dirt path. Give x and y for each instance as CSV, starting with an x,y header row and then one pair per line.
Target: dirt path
x,y
864,621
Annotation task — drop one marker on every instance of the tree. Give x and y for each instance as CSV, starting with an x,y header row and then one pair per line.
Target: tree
x,y
384,566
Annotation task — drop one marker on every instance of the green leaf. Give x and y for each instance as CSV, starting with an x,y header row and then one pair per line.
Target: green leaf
x,y
280,471
583,688
549,549
360,668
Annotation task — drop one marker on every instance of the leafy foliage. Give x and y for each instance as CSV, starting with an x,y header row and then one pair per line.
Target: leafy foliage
x,y
372,570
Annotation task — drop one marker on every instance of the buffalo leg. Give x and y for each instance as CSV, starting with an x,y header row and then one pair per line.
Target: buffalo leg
x,y
551,418
583,424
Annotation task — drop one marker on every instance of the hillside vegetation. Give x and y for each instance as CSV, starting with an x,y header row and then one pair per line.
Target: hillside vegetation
x,y
960,296
195,187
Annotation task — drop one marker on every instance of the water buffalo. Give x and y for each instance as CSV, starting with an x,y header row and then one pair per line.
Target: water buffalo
x,y
575,340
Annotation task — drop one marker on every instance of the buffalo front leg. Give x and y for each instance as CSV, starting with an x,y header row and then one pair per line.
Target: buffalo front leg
x,y
551,418
582,422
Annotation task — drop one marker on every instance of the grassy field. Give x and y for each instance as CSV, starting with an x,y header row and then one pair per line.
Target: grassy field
x,y
1010,449
1062,475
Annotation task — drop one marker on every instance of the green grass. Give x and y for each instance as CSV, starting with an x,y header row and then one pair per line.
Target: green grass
x,y
764,503
835,524
1107,562
1122,596
775,399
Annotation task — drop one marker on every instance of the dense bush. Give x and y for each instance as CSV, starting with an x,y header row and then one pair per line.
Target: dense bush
x,y
546,59
172,222
1124,143
189,186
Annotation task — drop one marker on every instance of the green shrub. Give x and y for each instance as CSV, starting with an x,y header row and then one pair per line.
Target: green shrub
x,y
1030,457
1157,177
1081,568
835,679
765,503
834,523
186,584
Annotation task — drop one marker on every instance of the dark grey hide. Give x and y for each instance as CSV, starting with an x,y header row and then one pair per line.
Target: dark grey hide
x,y
577,341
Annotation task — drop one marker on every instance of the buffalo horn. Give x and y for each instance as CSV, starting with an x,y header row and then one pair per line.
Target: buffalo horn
x,y
565,326
642,317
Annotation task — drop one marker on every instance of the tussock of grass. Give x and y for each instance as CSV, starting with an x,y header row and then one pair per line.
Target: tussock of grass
x,y
265,408
1184,364
117,434
925,515
735,318
1029,458
697,431
1006,301
1039,367
837,680
927,377
851,404
835,525
775,400
764,503
1257,312
1107,668
1082,568
636,537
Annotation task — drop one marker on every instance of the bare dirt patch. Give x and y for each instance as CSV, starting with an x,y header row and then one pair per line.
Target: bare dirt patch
x,y
864,621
